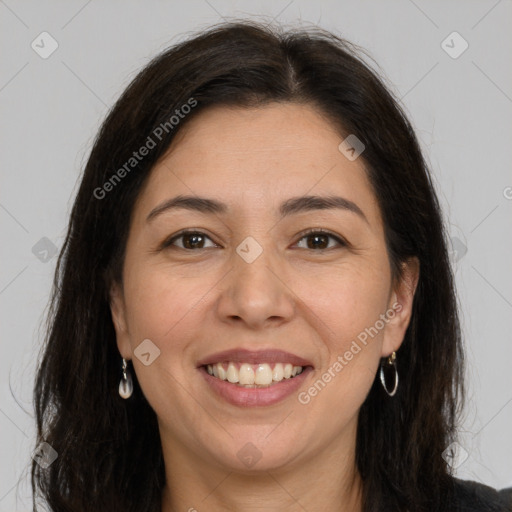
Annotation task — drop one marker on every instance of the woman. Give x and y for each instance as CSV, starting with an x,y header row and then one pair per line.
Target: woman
x,y
254,307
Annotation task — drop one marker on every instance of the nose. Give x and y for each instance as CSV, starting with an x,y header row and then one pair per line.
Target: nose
x,y
256,293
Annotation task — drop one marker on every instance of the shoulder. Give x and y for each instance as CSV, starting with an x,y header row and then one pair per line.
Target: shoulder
x,y
470,496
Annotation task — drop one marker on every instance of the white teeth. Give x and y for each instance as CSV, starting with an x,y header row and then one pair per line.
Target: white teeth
x,y
222,373
278,373
232,373
248,376
263,375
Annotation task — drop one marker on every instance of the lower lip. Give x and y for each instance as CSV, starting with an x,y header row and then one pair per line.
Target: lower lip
x,y
255,397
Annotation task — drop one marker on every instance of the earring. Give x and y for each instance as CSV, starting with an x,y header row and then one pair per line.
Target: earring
x,y
126,384
391,361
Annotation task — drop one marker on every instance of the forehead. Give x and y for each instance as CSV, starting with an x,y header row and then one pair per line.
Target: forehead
x,y
252,157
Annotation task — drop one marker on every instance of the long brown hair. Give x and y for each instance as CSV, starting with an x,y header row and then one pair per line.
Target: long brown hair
x,y
109,452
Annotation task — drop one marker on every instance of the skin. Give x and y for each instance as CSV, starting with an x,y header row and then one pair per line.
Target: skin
x,y
194,302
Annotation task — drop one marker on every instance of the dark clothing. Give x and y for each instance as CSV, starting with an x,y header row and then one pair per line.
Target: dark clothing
x,y
472,496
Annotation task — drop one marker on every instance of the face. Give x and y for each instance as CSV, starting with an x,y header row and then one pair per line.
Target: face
x,y
258,278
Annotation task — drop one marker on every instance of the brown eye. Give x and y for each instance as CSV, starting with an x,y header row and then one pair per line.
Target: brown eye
x,y
320,240
190,240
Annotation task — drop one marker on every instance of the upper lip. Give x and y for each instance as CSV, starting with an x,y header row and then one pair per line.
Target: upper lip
x,y
254,356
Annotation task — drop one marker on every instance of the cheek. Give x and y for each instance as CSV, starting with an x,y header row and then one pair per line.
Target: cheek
x,y
160,304
349,303
348,299
168,311
349,306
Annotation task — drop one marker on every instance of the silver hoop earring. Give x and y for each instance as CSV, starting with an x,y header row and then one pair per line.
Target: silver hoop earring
x,y
126,384
391,361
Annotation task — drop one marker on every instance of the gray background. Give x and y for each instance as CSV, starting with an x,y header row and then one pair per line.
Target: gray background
x,y
461,108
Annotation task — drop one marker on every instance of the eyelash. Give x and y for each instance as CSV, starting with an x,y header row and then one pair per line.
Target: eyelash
x,y
313,231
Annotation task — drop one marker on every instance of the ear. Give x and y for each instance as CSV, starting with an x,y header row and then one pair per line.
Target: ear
x,y
118,311
400,307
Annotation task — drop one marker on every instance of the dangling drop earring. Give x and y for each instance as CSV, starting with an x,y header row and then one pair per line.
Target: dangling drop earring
x,y
126,384
391,361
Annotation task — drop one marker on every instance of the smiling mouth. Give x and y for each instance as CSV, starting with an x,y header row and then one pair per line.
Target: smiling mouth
x,y
247,375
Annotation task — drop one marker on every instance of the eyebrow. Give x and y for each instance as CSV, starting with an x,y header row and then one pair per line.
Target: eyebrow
x,y
291,206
